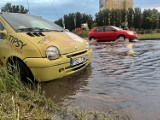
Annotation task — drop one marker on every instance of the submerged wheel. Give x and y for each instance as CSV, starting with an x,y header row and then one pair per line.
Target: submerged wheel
x,y
121,38
17,66
93,39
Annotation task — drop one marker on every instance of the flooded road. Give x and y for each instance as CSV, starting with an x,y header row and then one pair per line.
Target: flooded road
x,y
123,78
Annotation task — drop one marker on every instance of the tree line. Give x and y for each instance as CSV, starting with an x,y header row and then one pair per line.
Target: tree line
x,y
131,18
75,20
8,7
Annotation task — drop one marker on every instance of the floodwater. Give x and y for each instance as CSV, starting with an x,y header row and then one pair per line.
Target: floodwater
x,y
123,79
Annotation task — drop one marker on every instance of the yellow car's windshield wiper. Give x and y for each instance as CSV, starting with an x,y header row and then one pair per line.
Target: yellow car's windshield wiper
x,y
36,29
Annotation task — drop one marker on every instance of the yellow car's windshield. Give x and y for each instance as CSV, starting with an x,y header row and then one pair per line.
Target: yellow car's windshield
x,y
25,23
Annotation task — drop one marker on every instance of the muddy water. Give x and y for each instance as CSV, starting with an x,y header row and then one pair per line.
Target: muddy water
x,y
123,78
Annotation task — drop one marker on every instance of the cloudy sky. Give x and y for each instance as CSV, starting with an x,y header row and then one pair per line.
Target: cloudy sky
x,y
55,9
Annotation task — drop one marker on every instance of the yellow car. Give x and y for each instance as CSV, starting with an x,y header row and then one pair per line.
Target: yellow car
x,y
41,49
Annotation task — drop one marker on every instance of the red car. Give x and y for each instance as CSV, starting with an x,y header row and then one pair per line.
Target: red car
x,y
110,33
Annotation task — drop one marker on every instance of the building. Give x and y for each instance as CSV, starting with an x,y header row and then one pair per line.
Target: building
x,y
115,4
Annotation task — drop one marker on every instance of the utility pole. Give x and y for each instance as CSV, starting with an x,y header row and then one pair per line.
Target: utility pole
x,y
28,7
75,20
63,23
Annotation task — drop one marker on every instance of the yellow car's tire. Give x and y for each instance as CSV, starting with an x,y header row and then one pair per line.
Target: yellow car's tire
x,y
17,66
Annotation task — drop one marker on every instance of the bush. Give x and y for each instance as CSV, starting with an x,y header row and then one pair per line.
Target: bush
x,y
82,33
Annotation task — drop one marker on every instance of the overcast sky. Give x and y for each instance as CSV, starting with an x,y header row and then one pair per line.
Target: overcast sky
x,y
55,9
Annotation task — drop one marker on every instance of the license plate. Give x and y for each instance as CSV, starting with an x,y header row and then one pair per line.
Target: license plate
x,y
79,60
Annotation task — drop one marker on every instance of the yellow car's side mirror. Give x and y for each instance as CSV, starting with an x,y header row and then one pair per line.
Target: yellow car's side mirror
x,y
4,33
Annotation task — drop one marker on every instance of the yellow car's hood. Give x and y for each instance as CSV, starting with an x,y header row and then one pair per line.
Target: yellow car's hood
x,y
66,42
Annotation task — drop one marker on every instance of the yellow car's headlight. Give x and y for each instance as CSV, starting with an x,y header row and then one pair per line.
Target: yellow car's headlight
x,y
52,53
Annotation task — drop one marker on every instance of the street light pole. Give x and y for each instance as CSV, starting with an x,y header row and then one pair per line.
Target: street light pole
x,y
75,20
28,7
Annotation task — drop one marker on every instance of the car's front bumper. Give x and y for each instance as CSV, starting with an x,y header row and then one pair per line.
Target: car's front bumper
x,y
45,70
132,37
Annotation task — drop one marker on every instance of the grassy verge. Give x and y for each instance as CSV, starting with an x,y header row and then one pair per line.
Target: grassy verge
x,y
149,36
18,101
26,101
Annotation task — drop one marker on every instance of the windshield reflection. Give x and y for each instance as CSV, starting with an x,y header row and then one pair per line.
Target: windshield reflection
x,y
24,21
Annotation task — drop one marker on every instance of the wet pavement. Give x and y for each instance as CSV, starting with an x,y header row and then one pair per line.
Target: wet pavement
x,y
123,78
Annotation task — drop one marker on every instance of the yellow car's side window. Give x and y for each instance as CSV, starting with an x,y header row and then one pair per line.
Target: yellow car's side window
x,y
1,28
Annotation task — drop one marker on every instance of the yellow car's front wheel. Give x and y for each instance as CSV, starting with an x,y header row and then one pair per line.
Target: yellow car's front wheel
x,y
16,66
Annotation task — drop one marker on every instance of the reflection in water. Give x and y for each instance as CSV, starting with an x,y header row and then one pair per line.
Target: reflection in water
x,y
61,89
122,77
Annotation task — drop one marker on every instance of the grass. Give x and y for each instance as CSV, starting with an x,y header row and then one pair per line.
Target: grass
x,y
19,101
149,36
26,101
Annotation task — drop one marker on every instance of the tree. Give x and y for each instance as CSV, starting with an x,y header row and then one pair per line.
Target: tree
x,y
73,20
14,8
59,22
147,19
87,19
114,17
158,24
103,17
118,18
123,16
137,18
99,18
77,19
130,17
154,18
